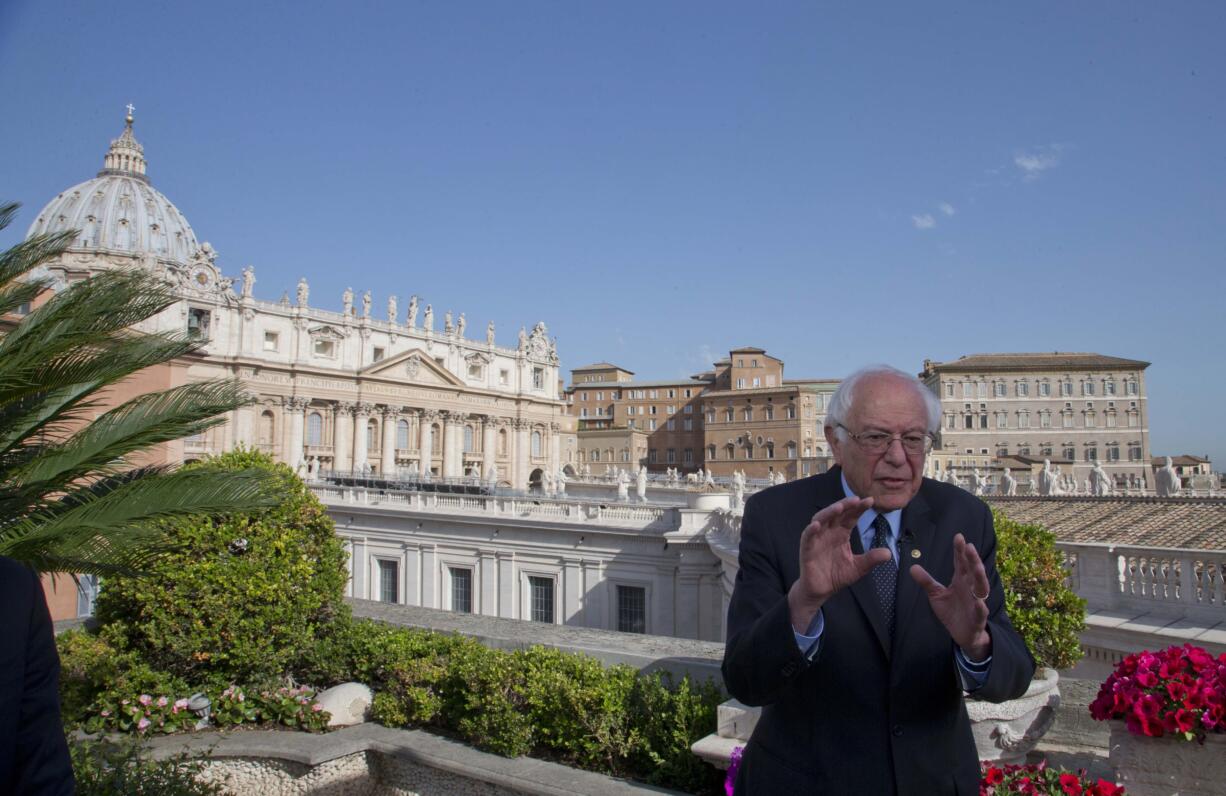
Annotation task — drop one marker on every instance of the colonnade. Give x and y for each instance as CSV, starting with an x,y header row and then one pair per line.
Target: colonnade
x,y
501,445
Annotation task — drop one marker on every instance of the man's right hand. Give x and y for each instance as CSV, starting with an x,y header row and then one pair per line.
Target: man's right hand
x,y
827,564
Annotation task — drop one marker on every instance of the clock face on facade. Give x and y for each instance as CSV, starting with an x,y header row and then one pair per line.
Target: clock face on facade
x,y
201,277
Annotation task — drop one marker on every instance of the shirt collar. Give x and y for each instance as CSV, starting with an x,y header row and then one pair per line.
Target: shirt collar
x,y
865,523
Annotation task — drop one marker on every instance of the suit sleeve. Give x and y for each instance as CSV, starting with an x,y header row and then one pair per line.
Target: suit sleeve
x,y
761,655
1012,666
42,765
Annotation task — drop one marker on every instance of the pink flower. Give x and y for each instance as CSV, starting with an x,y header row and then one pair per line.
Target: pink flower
x,y
142,724
180,704
106,713
145,699
317,707
162,702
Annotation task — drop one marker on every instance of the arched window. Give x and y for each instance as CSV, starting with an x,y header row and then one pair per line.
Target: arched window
x,y
315,429
402,434
267,427
595,454
536,443
468,439
730,451
372,434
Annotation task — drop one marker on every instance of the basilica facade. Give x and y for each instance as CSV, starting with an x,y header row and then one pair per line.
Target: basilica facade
x,y
398,393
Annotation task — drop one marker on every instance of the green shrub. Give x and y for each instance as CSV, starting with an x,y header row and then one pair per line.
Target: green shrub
x,y
98,672
108,768
242,598
1046,612
670,718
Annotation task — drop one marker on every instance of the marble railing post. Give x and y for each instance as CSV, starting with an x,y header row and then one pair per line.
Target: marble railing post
x,y
387,460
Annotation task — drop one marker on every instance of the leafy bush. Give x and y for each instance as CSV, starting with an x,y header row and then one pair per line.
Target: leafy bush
x,y
106,768
558,705
97,672
241,598
1048,615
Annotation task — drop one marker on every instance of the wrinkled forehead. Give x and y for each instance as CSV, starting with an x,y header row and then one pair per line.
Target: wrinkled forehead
x,y
890,403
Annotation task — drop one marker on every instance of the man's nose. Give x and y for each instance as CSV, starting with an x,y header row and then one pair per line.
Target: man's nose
x,y
895,453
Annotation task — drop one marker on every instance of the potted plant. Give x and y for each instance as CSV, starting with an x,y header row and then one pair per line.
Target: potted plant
x,y
1168,720
1049,616
1038,779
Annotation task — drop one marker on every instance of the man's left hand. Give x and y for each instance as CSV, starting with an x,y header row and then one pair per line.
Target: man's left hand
x,y
962,606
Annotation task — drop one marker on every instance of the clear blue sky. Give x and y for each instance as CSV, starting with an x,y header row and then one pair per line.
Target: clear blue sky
x,y
660,182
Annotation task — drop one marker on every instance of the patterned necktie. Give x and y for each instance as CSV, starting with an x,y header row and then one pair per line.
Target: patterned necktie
x,y
885,574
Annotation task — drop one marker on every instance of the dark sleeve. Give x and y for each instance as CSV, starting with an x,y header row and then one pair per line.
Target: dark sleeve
x,y
760,655
1012,666
41,763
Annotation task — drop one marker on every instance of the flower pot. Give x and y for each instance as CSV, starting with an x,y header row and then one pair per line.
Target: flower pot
x,y
1006,731
1168,765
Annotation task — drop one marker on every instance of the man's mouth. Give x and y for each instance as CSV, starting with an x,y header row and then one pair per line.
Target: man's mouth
x,y
894,483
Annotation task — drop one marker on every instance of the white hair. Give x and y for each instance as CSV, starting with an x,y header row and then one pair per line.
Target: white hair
x,y
843,398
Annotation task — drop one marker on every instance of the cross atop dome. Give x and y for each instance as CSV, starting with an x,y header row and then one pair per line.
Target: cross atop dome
x,y
126,156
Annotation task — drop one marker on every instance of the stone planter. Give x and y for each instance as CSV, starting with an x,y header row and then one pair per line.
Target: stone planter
x,y
1167,766
1006,731
708,501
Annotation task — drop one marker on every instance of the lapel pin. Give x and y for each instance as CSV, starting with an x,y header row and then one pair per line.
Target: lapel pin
x,y
915,554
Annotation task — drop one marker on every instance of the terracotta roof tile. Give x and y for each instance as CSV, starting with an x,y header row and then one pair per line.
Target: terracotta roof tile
x,y
1187,523
1055,360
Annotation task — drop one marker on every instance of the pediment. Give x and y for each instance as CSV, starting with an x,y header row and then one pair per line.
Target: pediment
x,y
326,332
415,366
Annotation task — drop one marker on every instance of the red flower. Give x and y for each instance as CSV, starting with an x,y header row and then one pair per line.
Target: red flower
x,y
1070,784
993,776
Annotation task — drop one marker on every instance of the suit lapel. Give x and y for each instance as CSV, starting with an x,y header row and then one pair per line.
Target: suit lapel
x,y
918,533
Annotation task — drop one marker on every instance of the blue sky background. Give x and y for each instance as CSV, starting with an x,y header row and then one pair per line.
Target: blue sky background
x,y
659,182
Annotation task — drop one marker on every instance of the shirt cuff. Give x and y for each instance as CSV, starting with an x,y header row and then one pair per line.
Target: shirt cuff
x,y
809,641
972,673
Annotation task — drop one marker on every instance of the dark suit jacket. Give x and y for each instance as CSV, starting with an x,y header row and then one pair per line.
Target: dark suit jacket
x,y
33,754
869,714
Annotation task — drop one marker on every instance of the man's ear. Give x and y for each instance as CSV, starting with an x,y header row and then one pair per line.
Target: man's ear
x,y
836,445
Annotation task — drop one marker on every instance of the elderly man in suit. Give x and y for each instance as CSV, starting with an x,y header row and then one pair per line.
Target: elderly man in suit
x,y
859,665
33,753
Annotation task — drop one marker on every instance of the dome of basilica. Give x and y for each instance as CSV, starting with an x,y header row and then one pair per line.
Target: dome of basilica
x,y
119,210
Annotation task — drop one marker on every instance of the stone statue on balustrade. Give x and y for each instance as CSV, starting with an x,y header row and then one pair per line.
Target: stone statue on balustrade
x,y
561,481
412,319
412,472
547,481
640,486
738,491
1047,480
1008,484
459,328
448,327
248,281
347,302
428,323
623,485
1166,480
491,474
708,480
391,309
978,481
489,333
951,476
523,341
1100,485
304,292
312,467
366,304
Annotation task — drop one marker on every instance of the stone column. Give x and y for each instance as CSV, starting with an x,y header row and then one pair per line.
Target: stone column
x,y
387,463
489,445
295,417
522,464
450,467
361,414
342,437
428,416
555,448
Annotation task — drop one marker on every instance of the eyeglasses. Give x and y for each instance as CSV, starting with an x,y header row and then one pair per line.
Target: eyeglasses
x,y
875,442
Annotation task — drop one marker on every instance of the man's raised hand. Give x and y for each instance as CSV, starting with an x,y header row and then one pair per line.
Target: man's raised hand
x,y
962,605
827,563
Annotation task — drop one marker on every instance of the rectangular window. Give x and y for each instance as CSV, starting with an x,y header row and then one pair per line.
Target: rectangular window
x,y
671,456
689,424
1066,388
688,456
757,381
671,425
324,348
198,322
271,339
540,595
389,581
740,384
672,393
1023,420
599,395
651,424
1001,420
1023,389
1044,389
379,353
631,609
688,392
1045,419
1109,388
998,389
504,378
1087,388
461,590
475,370
538,378
651,456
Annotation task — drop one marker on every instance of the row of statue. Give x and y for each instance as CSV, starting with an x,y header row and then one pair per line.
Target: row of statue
x,y
1051,481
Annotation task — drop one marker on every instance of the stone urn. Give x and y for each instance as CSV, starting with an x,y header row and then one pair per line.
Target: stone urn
x,y
1006,731
1151,766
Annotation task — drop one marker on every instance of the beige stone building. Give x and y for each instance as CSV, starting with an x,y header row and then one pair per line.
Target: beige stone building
x,y
741,415
396,393
1076,408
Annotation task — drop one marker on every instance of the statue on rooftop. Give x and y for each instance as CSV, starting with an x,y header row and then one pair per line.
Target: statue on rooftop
x,y
428,324
347,302
391,309
1099,485
489,333
248,281
951,476
640,487
412,321
459,329
1166,480
623,485
523,340
1008,484
366,304
304,292
447,326
1047,480
979,481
